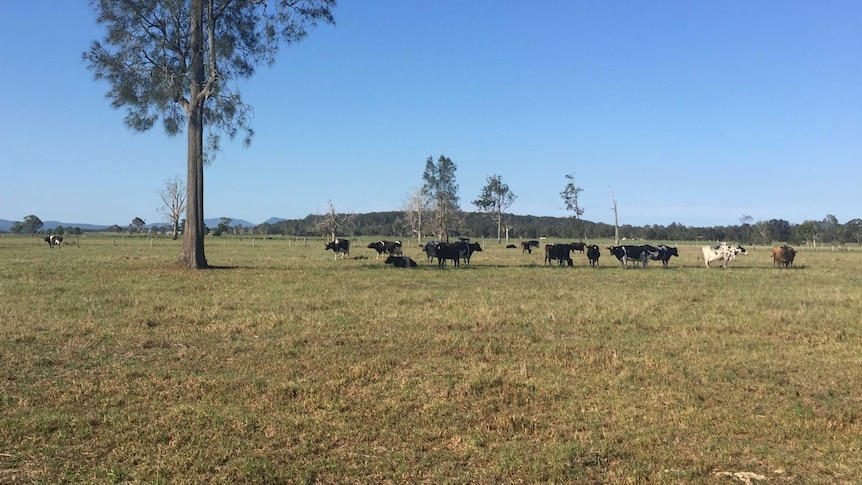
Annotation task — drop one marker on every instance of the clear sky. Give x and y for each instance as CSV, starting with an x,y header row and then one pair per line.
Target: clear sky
x,y
692,112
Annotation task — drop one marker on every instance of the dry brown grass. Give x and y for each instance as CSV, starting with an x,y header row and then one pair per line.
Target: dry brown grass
x,y
284,366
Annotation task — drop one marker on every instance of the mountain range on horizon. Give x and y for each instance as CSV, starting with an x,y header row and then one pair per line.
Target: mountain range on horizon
x,y
6,225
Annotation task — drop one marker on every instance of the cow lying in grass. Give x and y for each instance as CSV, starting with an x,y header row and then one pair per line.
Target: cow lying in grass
x,y
400,261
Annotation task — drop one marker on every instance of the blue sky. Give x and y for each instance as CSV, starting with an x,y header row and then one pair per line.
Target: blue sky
x,y
691,112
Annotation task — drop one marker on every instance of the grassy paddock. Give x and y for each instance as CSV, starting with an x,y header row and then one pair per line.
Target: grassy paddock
x,y
282,365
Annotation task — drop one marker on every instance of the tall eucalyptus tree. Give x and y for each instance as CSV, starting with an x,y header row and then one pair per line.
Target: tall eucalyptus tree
x,y
180,60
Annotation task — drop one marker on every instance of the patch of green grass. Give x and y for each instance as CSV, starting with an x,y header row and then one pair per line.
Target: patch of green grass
x,y
282,365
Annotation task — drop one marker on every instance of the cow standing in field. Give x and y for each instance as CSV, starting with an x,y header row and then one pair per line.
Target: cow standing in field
x,y
560,252
392,248
578,246
664,254
783,256
593,254
721,252
429,248
467,250
339,246
642,254
54,241
444,251
527,246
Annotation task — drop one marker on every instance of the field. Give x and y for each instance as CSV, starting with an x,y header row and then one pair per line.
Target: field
x,y
281,365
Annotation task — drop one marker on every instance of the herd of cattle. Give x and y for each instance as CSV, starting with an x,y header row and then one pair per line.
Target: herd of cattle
x,y
559,253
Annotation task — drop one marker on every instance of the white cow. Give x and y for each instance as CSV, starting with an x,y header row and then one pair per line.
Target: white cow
x,y
722,252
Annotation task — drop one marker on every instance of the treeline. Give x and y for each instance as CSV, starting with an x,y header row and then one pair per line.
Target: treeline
x,y
479,225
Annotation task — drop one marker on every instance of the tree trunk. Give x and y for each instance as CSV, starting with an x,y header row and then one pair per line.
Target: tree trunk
x,y
192,255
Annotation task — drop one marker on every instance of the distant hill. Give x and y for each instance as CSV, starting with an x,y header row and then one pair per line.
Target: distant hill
x,y
215,221
50,225
274,220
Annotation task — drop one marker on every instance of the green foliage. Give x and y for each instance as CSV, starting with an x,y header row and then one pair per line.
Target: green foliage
x,y
145,56
31,224
494,199
442,189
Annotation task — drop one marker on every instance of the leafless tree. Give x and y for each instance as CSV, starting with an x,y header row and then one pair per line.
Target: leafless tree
x,y
332,221
173,197
616,221
415,213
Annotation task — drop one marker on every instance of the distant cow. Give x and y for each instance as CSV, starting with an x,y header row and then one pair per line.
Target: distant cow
x,y
578,246
560,252
54,241
511,246
339,246
400,261
429,248
783,256
642,254
527,246
593,254
664,254
444,251
392,248
721,252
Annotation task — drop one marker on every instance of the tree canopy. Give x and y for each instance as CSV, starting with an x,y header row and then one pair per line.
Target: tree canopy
x,y
442,189
180,61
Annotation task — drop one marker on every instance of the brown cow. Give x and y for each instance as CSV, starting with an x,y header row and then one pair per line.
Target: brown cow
x,y
783,256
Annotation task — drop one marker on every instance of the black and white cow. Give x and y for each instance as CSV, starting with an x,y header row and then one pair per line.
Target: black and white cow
x,y
429,248
642,254
593,254
54,241
339,246
560,252
722,252
400,261
527,246
664,254
392,248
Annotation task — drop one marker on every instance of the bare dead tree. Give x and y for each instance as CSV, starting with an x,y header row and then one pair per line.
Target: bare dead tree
x,y
616,221
332,221
415,213
173,196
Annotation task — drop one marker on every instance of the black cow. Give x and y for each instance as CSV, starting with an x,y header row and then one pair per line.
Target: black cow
x,y
511,246
561,252
593,255
400,261
633,253
467,250
339,246
444,251
527,246
392,248
578,246
664,254
54,241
